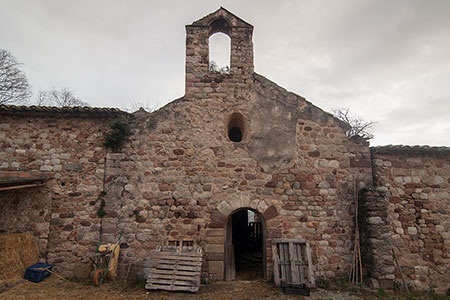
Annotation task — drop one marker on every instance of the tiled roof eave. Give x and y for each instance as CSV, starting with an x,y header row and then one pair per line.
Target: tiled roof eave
x,y
403,149
76,110
16,178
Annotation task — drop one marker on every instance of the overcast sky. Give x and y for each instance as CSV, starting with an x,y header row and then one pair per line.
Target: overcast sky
x,y
386,60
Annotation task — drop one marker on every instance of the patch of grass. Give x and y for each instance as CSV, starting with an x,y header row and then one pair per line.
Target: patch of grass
x,y
205,281
381,293
354,290
435,296
137,283
411,297
323,283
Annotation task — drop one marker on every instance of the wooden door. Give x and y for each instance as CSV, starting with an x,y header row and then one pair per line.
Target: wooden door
x,y
229,263
292,262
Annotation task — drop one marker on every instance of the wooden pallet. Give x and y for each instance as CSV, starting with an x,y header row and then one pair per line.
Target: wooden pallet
x,y
173,270
292,262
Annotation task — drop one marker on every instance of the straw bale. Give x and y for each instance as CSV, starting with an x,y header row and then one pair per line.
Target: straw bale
x,y
17,252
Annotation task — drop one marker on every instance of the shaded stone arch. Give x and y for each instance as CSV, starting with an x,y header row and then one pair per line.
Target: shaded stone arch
x,y
219,45
220,24
235,202
220,220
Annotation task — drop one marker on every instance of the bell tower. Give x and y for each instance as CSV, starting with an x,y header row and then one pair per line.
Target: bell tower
x,y
197,47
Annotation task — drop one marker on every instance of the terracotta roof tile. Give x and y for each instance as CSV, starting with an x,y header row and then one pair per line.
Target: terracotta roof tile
x,y
425,149
52,109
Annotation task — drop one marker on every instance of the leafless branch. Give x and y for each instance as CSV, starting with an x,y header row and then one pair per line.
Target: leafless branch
x,y
358,126
14,87
60,98
137,105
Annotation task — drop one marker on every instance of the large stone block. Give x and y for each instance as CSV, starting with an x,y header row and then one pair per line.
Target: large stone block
x,y
217,219
215,233
82,270
216,269
358,162
214,248
270,213
73,167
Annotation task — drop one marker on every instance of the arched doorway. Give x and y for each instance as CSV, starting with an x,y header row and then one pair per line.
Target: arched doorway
x,y
245,245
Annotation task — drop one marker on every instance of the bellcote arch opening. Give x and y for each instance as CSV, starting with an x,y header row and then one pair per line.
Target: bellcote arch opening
x,y
219,46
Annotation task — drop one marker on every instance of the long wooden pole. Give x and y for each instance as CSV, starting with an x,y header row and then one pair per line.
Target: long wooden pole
x,y
357,231
356,272
54,273
400,269
15,187
350,276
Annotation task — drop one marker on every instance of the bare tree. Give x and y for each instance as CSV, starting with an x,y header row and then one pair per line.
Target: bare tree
x,y
60,98
14,87
358,126
147,106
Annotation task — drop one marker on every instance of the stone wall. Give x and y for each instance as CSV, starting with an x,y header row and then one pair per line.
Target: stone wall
x,y
417,183
375,239
181,177
63,213
27,210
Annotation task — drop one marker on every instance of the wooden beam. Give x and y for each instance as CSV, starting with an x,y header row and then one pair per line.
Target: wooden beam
x,y
23,186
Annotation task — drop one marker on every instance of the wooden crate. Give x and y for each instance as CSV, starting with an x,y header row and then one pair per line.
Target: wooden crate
x,y
173,269
292,262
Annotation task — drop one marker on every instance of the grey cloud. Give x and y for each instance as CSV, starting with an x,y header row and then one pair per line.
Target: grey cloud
x,y
386,60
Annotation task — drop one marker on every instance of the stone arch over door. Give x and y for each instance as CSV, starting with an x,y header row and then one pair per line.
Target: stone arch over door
x,y
218,230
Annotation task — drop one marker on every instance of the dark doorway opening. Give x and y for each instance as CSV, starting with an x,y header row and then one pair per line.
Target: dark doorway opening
x,y
246,250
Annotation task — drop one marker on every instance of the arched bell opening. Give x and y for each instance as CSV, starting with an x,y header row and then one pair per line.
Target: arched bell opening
x,y
219,46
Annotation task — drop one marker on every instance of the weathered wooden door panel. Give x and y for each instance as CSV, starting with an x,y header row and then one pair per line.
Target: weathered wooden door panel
x,y
292,262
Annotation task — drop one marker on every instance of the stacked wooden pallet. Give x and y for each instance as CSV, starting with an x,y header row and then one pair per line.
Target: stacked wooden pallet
x,y
175,270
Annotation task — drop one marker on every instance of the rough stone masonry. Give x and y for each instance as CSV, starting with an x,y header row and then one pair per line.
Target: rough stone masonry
x,y
182,175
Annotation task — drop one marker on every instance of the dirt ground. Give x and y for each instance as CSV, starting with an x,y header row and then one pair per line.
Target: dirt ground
x,y
53,288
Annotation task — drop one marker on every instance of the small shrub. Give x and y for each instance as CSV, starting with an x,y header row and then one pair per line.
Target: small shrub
x,y
205,281
341,280
323,283
411,297
213,67
435,296
381,293
353,290
100,211
118,136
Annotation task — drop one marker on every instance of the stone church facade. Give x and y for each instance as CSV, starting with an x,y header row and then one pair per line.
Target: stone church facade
x,y
236,141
